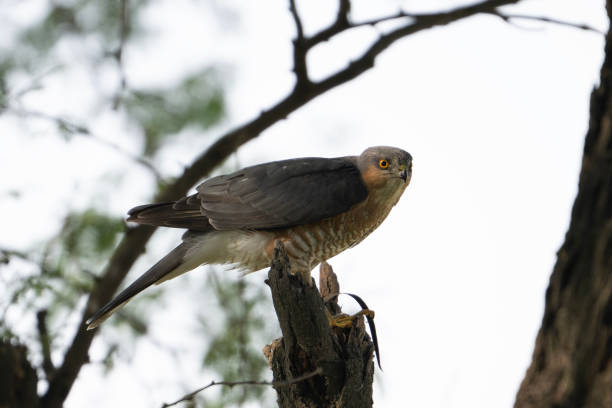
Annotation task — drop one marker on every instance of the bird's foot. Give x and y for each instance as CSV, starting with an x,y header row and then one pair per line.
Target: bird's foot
x,y
306,278
343,320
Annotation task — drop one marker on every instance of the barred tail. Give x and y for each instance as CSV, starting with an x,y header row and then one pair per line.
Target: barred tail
x,y
169,266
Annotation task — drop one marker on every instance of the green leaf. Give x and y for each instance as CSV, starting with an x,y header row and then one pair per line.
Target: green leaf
x,y
234,351
198,101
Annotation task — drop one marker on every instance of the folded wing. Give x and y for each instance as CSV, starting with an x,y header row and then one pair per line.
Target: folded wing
x,y
267,196
282,194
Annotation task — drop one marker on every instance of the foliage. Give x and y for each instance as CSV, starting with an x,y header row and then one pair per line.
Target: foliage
x,y
88,21
55,276
197,101
68,262
235,349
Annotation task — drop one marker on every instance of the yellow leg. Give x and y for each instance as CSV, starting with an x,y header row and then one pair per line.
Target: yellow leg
x,y
343,320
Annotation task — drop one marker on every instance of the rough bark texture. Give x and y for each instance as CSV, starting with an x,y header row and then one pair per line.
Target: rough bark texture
x,y
571,364
308,343
18,379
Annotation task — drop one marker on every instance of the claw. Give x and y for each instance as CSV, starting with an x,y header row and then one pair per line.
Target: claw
x,y
343,320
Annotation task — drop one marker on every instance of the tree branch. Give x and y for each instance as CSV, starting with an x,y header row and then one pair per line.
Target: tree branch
x,y
340,24
299,49
7,254
420,23
296,19
18,378
572,360
343,354
45,343
133,243
124,29
275,384
509,17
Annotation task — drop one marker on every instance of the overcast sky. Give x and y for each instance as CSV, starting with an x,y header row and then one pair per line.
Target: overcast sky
x,y
493,114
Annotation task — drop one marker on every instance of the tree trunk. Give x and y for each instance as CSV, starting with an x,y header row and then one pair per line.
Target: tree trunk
x,y
571,364
18,380
344,356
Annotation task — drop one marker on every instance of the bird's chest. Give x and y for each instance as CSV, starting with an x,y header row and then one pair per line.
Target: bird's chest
x,y
316,242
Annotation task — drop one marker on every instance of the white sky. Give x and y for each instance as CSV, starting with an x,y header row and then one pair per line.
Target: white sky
x,y
494,116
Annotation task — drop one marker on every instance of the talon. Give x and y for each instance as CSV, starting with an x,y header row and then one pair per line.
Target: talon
x,y
343,320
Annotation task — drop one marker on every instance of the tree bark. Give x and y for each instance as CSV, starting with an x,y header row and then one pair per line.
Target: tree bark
x,y
309,343
18,380
571,365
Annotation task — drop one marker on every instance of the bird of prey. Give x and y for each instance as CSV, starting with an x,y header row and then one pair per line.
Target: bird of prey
x,y
317,207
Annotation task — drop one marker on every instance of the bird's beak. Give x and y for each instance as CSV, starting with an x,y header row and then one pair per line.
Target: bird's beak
x,y
403,172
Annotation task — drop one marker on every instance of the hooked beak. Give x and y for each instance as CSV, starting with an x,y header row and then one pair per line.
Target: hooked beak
x,y
404,171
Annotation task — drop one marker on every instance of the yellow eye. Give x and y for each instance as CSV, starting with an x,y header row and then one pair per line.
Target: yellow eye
x,y
383,164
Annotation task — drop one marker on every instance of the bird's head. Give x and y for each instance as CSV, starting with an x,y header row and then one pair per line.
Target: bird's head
x,y
385,166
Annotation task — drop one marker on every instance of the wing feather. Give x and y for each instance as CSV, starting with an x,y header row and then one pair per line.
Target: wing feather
x,y
185,213
267,196
282,194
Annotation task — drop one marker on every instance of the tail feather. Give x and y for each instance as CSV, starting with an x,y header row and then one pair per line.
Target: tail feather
x,y
185,213
168,265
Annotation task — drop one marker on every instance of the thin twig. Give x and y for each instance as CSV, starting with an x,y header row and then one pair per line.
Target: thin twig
x,y
423,22
124,29
77,129
35,83
340,24
296,19
276,384
300,67
7,254
581,26
375,21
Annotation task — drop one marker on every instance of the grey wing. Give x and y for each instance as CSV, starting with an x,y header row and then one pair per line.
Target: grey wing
x,y
282,194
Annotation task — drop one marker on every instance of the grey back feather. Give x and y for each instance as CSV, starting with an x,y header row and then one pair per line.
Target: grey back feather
x,y
266,196
282,194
